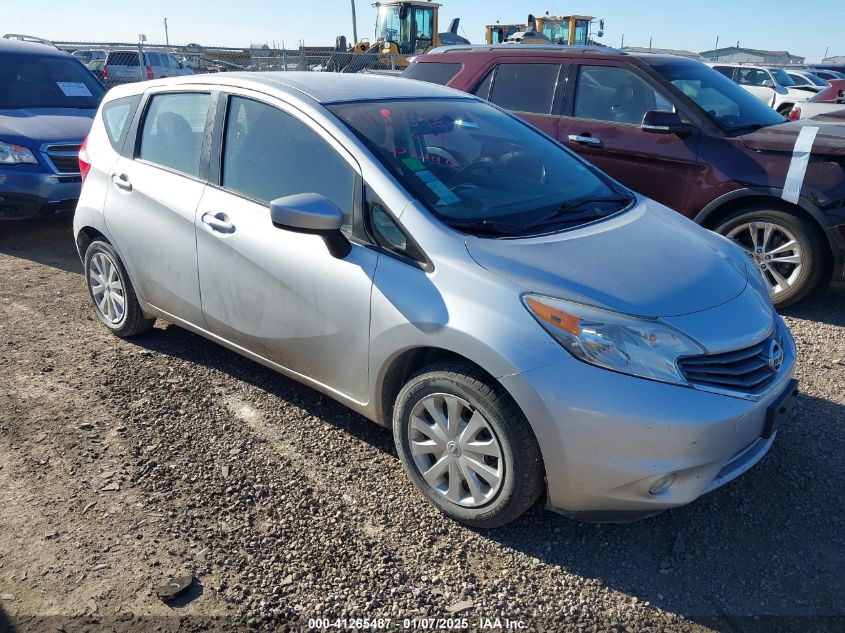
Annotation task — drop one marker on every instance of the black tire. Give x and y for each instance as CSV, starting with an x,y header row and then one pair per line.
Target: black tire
x,y
523,479
809,238
133,320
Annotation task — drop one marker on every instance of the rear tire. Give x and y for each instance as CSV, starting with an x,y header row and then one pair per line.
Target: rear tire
x,y
788,249
111,292
482,463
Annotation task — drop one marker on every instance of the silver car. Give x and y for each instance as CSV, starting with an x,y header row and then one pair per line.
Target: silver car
x,y
525,325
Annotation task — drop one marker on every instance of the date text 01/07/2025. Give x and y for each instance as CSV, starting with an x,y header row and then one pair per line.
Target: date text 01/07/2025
x,y
417,624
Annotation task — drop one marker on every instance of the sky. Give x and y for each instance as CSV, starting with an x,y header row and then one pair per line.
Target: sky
x,y
803,27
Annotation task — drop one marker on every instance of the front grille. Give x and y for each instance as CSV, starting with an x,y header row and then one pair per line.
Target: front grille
x,y
747,370
65,158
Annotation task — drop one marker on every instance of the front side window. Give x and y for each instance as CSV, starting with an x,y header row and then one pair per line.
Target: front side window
x,y
526,87
33,81
752,77
481,170
617,95
269,154
173,130
731,107
798,80
154,59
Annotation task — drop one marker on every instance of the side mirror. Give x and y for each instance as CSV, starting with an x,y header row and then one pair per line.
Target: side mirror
x,y
661,122
768,83
312,214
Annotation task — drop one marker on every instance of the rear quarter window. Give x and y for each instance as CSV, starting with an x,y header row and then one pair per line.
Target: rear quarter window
x,y
433,72
116,117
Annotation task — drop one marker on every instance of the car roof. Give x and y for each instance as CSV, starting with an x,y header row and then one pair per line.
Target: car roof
x,y
18,47
324,87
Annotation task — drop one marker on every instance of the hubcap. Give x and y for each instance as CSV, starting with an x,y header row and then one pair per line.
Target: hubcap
x,y
774,250
106,288
455,450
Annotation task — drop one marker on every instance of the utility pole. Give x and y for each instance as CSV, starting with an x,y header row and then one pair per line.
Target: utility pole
x,y
650,38
826,49
354,25
623,41
166,36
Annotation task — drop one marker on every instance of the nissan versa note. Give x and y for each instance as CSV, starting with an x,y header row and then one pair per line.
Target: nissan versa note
x,y
525,325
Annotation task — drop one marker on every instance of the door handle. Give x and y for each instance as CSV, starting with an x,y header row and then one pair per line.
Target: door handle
x,y
121,181
584,140
218,222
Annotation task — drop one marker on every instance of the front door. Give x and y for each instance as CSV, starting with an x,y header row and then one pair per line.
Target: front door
x,y
280,294
152,200
603,122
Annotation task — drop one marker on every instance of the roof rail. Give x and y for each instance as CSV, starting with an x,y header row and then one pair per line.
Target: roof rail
x,y
28,38
530,47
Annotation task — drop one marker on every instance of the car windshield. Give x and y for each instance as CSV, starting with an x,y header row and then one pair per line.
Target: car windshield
x,y
481,170
729,105
782,77
30,81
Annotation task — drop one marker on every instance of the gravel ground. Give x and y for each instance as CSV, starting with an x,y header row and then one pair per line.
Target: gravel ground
x,y
125,463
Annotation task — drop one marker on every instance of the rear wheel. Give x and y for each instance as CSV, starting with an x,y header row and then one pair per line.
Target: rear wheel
x,y
111,292
466,446
787,249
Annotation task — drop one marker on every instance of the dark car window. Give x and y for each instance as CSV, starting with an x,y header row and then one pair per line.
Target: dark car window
x,y
610,93
479,169
432,72
483,89
32,81
730,106
122,58
727,71
269,154
116,116
154,59
525,87
173,130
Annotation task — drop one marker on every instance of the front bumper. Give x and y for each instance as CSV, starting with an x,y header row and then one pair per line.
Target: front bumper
x,y
606,438
26,191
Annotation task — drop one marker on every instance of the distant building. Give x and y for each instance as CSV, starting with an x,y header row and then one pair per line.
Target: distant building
x,y
663,51
735,54
836,59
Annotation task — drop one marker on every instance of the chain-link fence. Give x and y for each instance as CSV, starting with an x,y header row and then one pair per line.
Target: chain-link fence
x,y
118,63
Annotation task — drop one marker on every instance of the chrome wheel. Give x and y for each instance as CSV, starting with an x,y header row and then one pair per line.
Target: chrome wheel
x,y
455,450
106,288
774,250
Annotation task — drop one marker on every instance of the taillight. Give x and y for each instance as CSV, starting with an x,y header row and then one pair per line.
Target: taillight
x,y
795,114
149,72
84,159
105,72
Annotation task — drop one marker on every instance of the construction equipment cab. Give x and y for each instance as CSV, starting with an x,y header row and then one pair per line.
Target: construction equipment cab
x,y
567,29
498,33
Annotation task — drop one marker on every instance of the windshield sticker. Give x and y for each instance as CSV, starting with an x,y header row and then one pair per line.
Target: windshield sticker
x,y
74,89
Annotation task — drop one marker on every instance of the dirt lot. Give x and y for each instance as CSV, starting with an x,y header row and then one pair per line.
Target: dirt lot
x,y
124,463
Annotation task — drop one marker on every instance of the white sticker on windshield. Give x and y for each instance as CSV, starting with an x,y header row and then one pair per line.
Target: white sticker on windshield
x,y
74,89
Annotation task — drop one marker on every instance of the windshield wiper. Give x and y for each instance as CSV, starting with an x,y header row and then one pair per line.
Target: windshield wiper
x,y
487,227
565,211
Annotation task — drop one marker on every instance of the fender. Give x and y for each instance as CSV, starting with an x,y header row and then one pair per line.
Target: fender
x,y
823,220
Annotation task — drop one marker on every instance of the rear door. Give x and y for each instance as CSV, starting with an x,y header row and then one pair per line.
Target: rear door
x,y
604,109
155,187
530,89
280,294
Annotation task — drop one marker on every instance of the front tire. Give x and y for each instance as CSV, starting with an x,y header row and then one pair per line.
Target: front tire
x,y
111,292
467,447
786,248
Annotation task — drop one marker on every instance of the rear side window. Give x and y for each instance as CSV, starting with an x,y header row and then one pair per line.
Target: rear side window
x,y
269,154
433,72
116,117
525,87
727,71
173,130
122,58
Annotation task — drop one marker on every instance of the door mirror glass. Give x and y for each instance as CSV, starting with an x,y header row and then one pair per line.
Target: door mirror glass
x,y
768,83
659,122
314,214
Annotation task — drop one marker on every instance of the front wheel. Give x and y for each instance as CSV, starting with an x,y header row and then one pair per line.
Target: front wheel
x,y
787,250
466,446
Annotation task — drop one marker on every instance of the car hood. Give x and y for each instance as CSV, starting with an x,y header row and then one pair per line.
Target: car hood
x,y
830,138
649,261
34,127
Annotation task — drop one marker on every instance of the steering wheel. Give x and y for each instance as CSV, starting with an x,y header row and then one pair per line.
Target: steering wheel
x,y
483,165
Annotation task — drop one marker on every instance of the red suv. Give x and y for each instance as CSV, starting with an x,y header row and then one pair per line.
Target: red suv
x,y
684,135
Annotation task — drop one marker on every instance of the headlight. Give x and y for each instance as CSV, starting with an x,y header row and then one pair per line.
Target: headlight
x,y
630,345
14,154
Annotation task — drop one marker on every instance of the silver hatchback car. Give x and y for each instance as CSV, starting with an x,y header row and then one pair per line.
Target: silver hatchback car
x,y
527,326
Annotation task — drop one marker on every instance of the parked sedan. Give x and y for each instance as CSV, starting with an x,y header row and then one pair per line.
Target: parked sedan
x,y
446,270
807,80
47,104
